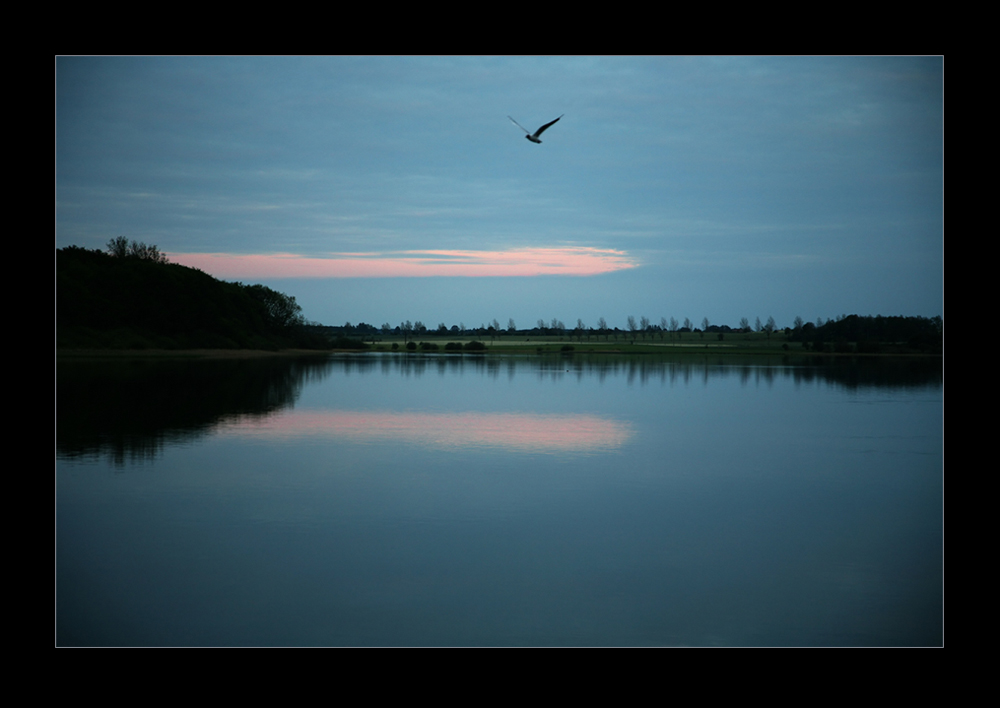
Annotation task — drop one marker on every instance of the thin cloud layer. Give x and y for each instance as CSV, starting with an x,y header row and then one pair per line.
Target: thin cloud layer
x,y
514,432
522,262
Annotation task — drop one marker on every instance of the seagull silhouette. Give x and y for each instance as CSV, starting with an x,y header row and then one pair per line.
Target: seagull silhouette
x,y
534,138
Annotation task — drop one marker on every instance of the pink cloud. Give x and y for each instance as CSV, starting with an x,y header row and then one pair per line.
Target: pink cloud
x,y
514,263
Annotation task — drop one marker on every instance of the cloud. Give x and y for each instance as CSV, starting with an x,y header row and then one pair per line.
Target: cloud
x,y
408,264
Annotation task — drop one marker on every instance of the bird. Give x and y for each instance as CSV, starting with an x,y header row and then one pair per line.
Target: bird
x,y
534,138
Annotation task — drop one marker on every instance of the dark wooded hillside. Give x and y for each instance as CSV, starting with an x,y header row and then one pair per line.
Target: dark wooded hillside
x,y
138,300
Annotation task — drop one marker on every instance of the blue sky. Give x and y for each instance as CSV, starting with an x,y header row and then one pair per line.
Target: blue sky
x,y
389,189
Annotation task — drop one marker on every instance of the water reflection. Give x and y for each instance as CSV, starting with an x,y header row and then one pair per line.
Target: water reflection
x,y
387,500
512,432
128,410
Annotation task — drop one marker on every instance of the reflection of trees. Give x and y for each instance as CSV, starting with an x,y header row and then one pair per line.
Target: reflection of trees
x,y
131,408
848,372
643,369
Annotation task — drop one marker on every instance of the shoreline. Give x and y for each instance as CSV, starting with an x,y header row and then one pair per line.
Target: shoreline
x,y
186,353
547,349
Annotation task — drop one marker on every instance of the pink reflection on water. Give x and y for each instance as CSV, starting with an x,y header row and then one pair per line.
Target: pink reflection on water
x,y
516,263
517,432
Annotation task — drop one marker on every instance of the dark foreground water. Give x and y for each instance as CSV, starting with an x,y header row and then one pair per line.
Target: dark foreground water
x,y
408,500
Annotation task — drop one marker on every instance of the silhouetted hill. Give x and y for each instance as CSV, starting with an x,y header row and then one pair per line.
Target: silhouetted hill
x,y
874,334
134,302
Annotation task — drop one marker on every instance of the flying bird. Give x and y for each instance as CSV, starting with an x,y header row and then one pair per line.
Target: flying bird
x,y
534,138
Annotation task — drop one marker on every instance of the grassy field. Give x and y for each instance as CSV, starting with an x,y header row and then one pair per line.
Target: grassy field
x,y
749,344
741,344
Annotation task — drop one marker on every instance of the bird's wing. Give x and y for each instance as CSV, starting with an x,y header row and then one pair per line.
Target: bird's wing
x,y
522,127
545,127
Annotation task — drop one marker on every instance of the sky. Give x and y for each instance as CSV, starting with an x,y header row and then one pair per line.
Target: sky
x,y
385,189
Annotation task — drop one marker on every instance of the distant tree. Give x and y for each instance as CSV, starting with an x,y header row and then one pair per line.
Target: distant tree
x,y
744,324
644,326
757,327
770,326
688,324
121,247
280,310
442,328
118,247
632,327
511,327
146,253
602,328
407,328
704,324
674,325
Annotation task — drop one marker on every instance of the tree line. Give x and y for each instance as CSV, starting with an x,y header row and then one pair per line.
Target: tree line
x,y
866,334
131,297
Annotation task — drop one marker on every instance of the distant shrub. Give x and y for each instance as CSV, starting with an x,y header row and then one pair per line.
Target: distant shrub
x,y
411,346
475,347
453,347
348,343
429,347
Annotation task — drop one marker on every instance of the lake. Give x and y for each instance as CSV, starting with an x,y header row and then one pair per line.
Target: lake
x,y
383,500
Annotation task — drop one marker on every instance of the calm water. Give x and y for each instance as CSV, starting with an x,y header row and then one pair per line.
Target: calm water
x,y
386,500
